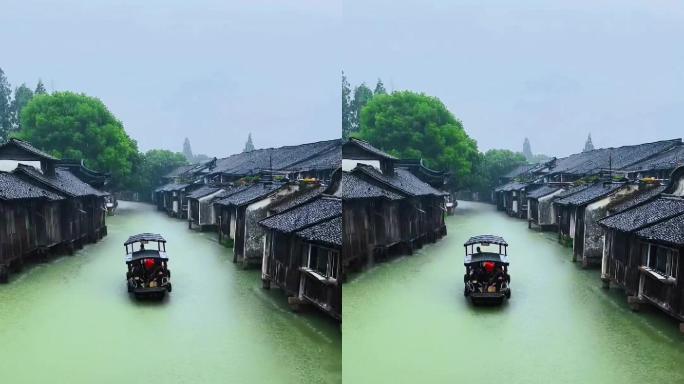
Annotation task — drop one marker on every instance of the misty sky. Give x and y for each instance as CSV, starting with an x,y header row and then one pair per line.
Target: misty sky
x,y
209,70
553,71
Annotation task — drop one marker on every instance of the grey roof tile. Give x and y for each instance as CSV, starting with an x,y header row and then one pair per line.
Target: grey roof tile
x,y
590,194
305,215
646,214
13,188
354,187
327,232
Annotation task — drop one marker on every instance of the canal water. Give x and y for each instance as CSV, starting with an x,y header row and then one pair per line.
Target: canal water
x,y
407,321
71,320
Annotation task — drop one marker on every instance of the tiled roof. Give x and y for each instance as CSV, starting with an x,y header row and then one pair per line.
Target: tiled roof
x,y
171,187
510,186
13,188
203,191
250,194
637,198
402,180
590,194
354,187
28,148
328,159
542,191
368,147
670,232
645,214
327,232
282,158
305,215
571,191
63,181
297,198
669,159
591,162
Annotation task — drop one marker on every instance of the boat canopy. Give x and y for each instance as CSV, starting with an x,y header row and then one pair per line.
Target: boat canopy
x,y
145,237
486,239
485,256
146,254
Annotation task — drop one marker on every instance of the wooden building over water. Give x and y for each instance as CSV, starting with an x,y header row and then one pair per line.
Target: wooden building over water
x,y
643,244
301,253
45,206
388,210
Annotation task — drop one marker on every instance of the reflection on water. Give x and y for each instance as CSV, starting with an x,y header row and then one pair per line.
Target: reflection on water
x,y
71,320
407,321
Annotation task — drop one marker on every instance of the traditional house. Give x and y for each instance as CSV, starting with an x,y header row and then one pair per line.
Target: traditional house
x,y
572,210
319,159
371,221
387,209
83,219
540,208
173,198
659,166
301,253
201,212
29,222
243,210
641,252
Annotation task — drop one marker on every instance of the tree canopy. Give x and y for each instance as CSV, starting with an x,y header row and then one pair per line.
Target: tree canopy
x,y
492,165
76,126
152,166
5,107
412,125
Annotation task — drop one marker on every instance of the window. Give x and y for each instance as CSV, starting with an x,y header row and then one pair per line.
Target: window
x,y
660,259
323,261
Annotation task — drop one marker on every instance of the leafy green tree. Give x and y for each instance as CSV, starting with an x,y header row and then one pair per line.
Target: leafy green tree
x,y
346,107
413,125
154,164
22,96
380,88
249,146
40,88
5,107
362,95
77,126
492,165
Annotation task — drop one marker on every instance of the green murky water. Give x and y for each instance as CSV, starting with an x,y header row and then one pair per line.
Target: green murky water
x,y
407,321
71,320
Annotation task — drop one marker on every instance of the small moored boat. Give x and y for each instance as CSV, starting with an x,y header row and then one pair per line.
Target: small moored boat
x,y
486,278
148,273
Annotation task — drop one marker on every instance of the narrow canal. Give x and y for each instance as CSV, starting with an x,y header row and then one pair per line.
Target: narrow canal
x,y
71,320
407,321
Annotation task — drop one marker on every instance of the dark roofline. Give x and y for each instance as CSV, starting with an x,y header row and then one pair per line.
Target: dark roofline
x,y
321,196
596,198
366,146
25,145
648,201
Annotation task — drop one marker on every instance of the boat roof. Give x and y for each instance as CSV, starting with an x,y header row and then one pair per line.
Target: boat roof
x,y
145,237
146,254
485,256
490,239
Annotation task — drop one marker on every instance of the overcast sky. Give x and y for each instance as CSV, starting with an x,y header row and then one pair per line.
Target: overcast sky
x,y
209,70
553,71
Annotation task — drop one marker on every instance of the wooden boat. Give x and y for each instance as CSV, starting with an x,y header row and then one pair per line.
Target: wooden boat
x,y
486,279
148,274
